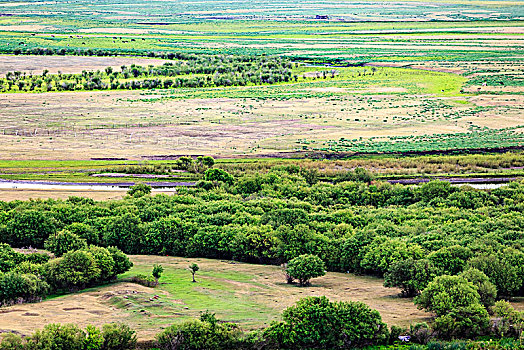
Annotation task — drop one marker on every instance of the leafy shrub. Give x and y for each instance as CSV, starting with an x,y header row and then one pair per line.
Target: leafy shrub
x,y
121,260
118,336
206,333
63,242
315,322
487,290
148,281
18,287
58,337
410,275
218,175
447,293
305,267
104,261
463,322
75,270
508,322
139,190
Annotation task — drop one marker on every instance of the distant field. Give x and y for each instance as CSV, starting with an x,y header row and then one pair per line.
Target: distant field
x,y
67,64
443,74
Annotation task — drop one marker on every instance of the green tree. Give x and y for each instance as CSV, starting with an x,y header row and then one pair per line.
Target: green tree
x,y
29,228
385,251
63,242
122,262
305,267
317,323
446,293
157,271
451,260
139,190
218,175
503,274
118,336
193,268
463,322
74,270
206,333
487,290
58,337
410,275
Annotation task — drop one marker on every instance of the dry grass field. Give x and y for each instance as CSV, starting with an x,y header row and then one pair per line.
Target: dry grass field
x,y
133,124
67,64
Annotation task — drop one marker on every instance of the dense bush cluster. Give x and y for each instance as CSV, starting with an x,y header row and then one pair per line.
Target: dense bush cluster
x,y
30,277
272,218
70,337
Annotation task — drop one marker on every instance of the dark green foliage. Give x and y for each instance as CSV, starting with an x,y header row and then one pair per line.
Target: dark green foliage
x,y
218,175
58,337
157,271
122,262
463,322
411,276
84,231
305,267
315,322
451,260
29,228
456,302
447,293
503,274
206,333
118,336
139,190
104,261
63,242
383,252
124,232
75,270
487,290
15,286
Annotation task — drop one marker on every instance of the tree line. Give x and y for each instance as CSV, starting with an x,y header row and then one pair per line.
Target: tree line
x,y
188,71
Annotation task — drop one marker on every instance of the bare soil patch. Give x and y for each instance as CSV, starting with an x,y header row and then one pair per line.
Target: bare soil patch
x,y
67,64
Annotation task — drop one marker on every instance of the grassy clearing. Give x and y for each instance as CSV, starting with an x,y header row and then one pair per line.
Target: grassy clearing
x,y
252,295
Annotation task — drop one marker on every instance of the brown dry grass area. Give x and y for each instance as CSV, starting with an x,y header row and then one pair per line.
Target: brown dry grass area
x,y
67,64
8,195
133,124
80,308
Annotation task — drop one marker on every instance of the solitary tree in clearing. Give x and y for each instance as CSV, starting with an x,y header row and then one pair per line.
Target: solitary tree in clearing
x,y
193,268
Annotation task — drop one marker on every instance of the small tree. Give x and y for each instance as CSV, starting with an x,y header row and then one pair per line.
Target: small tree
x,y
305,267
157,271
193,268
410,275
64,241
139,190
